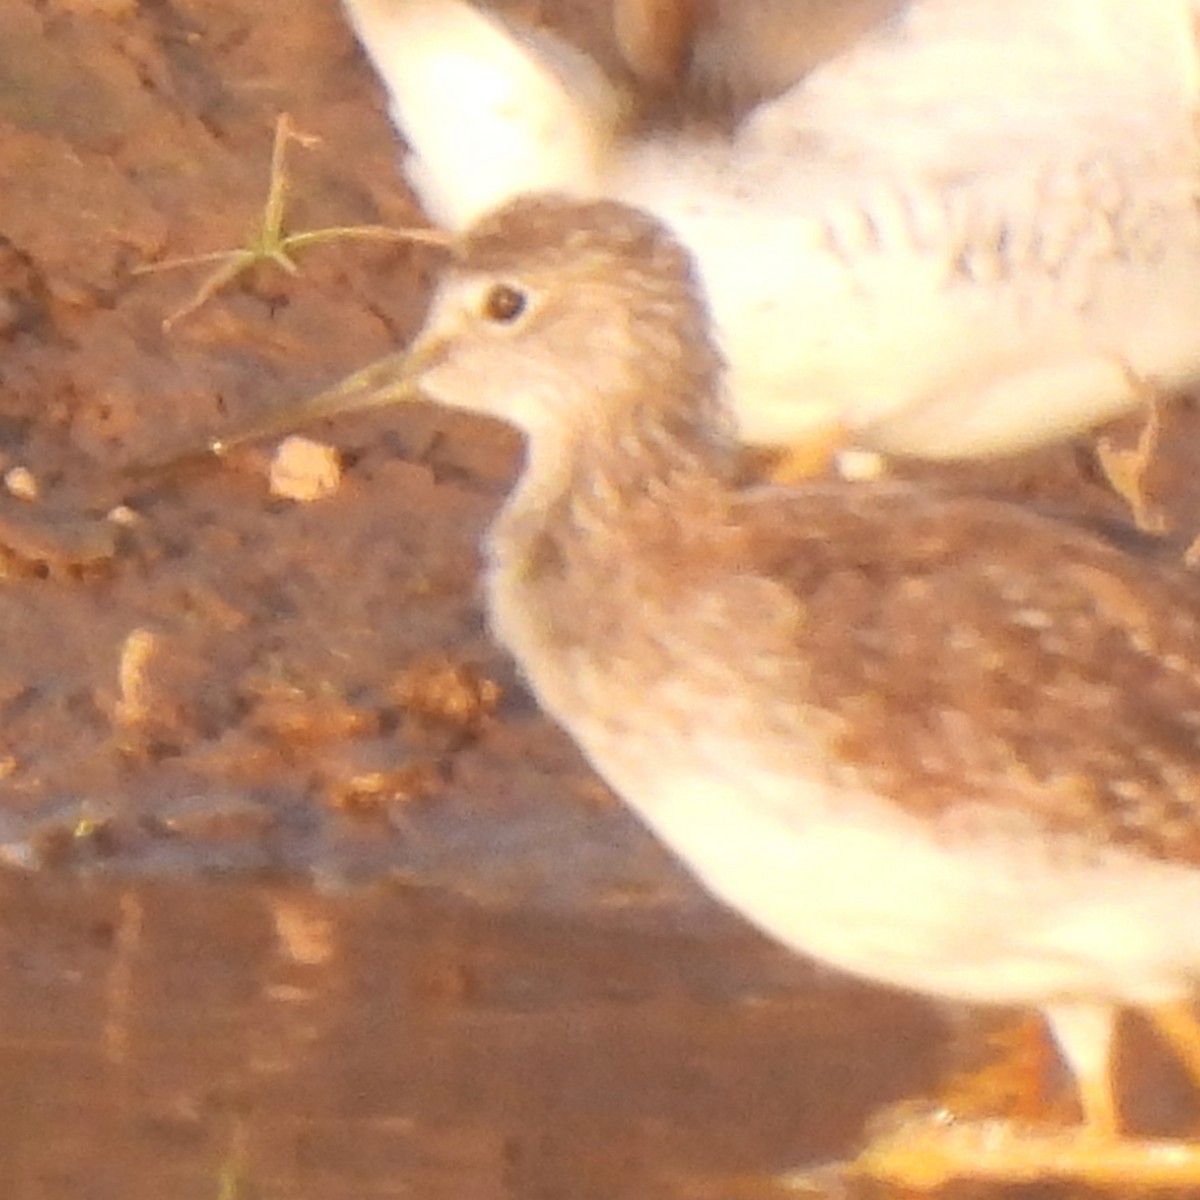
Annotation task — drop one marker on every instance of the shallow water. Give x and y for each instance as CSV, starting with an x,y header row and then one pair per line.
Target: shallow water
x,y
174,1039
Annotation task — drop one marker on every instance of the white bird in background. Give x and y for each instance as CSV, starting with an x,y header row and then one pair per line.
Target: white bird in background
x,y
735,53
971,231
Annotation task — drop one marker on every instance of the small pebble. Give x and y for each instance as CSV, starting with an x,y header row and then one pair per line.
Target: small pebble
x,y
304,470
860,466
124,516
22,483
135,703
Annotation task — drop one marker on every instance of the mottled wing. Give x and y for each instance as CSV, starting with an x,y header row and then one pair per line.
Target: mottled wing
x,y
976,656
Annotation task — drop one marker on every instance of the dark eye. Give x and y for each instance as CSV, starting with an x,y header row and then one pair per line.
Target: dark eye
x,y
504,303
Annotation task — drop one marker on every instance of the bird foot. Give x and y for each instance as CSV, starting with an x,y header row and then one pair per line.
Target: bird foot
x,y
270,242
816,453
1125,467
926,1154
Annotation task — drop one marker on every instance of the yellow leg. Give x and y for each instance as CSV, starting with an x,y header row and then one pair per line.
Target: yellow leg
x,y
1125,469
1085,1034
812,456
270,242
931,1152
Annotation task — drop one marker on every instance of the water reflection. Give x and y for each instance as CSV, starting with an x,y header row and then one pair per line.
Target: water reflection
x,y
228,1040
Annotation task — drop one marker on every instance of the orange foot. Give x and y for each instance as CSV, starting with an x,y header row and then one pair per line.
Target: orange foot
x,y
1125,468
814,455
926,1155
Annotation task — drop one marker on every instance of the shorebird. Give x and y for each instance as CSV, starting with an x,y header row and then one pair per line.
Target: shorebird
x,y
937,741
971,231
724,56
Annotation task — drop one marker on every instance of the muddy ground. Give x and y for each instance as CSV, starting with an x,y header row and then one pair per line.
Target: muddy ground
x,y
303,898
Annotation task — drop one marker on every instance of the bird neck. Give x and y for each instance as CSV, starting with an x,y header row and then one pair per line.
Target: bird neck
x,y
604,522
629,465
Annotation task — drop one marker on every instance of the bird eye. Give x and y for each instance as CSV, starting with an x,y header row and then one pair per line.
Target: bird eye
x,y
504,303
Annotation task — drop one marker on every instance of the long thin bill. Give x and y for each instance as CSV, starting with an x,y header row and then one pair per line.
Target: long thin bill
x,y
390,380
386,381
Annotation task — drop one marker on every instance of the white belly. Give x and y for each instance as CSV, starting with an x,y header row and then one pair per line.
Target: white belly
x,y
984,918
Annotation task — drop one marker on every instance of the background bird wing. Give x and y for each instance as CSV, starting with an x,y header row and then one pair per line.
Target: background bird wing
x,y
486,113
